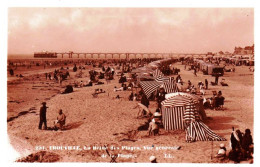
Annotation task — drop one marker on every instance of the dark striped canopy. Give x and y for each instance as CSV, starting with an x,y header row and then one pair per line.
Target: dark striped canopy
x,y
180,99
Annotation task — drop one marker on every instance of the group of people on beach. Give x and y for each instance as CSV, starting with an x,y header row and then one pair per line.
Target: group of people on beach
x,y
58,123
242,147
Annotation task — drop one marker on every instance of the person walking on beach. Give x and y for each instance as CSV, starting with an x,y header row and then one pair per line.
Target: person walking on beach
x,y
145,102
195,71
43,119
216,79
49,75
206,84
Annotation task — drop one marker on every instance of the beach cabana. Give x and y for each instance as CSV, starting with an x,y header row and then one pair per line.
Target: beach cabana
x,y
174,107
181,111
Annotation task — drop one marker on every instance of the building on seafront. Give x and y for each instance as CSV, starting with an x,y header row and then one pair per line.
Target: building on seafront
x,y
244,51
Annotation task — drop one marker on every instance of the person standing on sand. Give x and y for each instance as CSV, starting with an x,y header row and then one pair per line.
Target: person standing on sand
x,y
153,128
206,84
145,102
195,71
216,79
43,119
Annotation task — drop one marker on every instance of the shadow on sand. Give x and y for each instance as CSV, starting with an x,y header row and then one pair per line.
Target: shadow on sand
x,y
220,123
72,125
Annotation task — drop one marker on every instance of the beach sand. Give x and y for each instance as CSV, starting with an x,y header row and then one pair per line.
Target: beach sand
x,y
108,121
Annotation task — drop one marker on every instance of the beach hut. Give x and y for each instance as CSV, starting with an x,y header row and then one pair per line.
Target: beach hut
x,y
215,70
150,87
211,69
181,111
174,107
170,86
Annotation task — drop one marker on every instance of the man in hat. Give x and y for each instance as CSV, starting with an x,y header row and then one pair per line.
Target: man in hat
x,y
43,119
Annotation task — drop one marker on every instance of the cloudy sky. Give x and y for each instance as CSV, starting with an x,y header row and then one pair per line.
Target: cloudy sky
x,y
185,30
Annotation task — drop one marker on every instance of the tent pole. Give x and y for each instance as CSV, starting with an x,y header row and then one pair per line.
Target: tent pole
x,y
211,149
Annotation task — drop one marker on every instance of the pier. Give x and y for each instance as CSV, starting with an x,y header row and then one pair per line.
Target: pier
x,y
123,55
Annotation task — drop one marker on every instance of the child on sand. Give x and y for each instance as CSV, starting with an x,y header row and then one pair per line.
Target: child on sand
x,y
153,128
221,152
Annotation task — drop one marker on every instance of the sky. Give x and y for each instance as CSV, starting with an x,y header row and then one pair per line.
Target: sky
x,y
153,30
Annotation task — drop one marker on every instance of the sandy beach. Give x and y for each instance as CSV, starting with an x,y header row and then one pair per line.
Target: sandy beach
x,y
105,120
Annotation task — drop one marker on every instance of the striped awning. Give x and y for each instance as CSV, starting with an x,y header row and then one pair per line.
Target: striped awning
x,y
195,97
149,87
179,99
198,131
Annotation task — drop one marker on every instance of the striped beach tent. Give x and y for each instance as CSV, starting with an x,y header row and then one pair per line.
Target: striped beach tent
x,y
170,86
178,109
198,131
159,76
149,87
197,100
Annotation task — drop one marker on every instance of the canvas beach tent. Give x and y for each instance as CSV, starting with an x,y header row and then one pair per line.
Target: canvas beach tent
x,y
150,87
198,101
198,131
181,111
173,110
170,86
